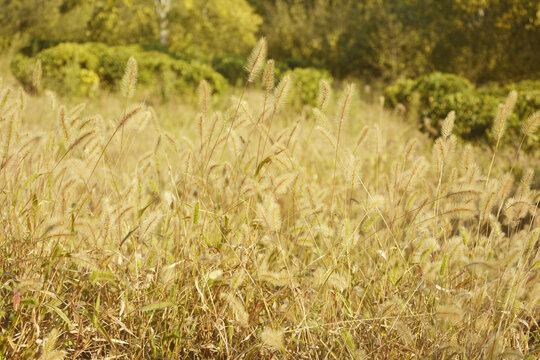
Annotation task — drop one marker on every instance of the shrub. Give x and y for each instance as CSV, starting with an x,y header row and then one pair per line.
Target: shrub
x,y
293,63
439,94
5,42
400,92
232,67
77,69
35,46
528,95
306,84
474,113
67,69
528,102
431,88
435,86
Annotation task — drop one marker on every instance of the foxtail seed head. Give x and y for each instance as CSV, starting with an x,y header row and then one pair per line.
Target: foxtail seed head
x,y
532,124
324,94
256,60
273,338
204,96
448,124
129,81
36,76
268,77
510,103
499,124
281,92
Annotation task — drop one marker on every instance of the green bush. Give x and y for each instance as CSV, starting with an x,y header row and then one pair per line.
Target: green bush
x,y
232,67
528,95
78,69
475,109
67,69
5,42
474,113
399,92
431,88
528,102
35,46
306,85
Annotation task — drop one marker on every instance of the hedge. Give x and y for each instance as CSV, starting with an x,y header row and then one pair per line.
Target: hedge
x,y
80,69
437,94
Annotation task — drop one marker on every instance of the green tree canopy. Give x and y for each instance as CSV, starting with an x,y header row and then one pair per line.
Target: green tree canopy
x,y
51,19
213,27
117,22
484,40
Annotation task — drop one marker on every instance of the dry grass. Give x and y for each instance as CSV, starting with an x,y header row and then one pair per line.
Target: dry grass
x,y
284,235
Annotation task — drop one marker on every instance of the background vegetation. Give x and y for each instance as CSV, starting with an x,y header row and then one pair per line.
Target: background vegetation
x,y
491,44
482,40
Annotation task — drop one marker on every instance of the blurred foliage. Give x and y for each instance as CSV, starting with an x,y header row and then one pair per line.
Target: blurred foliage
x,y
209,28
200,28
232,67
431,87
5,43
71,68
306,84
437,94
482,40
60,20
28,16
117,22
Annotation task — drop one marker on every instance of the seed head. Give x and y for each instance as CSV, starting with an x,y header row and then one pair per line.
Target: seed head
x,y
273,338
129,81
269,76
256,60
324,94
448,124
36,76
532,124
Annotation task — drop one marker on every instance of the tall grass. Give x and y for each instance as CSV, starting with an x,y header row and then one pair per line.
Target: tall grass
x,y
256,232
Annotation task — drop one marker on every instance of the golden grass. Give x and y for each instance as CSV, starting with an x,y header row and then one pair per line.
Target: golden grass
x,y
255,232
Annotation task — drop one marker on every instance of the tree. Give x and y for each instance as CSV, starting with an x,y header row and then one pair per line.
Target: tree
x,y
207,28
378,42
38,23
483,40
308,30
32,17
124,22
162,9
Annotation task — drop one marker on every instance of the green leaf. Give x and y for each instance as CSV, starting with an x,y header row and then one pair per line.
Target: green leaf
x,y
30,301
261,164
155,306
101,275
196,214
129,234
444,265
62,315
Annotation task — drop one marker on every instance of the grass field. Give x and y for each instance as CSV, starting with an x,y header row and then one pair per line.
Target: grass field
x,y
239,228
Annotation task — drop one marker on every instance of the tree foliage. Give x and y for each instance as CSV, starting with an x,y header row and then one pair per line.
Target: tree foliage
x,y
209,28
483,40
123,22
51,19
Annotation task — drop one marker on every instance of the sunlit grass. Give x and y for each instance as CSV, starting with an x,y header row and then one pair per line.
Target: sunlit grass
x,y
139,230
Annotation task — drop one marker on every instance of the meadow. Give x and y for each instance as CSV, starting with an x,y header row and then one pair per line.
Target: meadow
x,y
245,228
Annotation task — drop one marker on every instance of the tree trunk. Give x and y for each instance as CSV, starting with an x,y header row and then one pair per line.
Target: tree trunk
x,y
162,9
